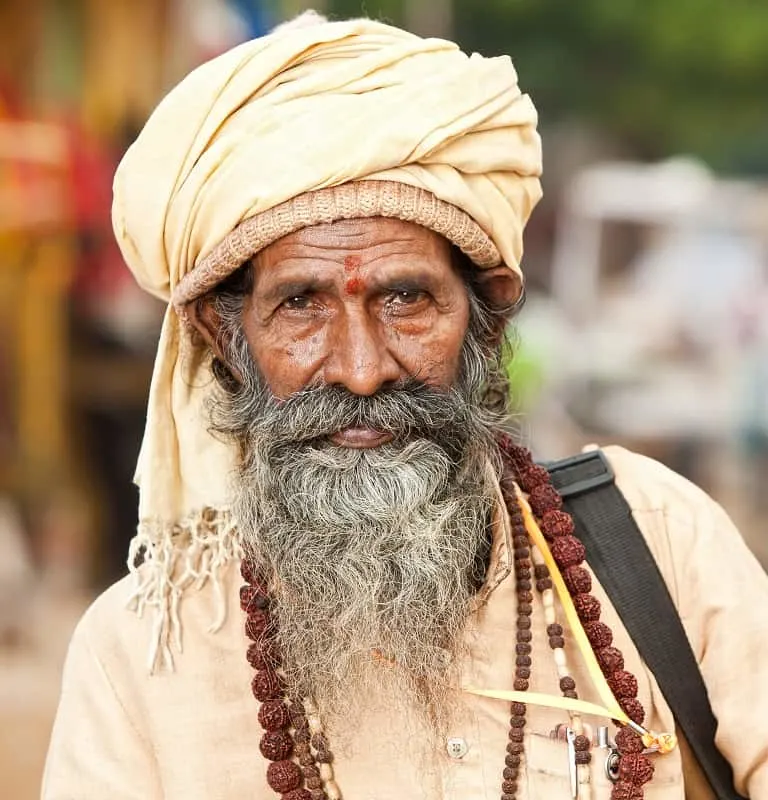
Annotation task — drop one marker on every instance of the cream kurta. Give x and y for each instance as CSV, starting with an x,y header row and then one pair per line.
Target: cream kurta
x,y
193,734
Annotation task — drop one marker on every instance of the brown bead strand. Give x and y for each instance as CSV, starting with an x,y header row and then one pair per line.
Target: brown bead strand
x,y
523,649
558,528
290,780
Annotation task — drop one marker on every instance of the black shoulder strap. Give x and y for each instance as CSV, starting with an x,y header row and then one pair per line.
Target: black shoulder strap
x,y
622,561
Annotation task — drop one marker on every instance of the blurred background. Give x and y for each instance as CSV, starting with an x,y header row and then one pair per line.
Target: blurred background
x,y
647,315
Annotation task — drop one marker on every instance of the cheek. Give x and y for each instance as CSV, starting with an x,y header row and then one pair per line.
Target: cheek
x,y
289,364
433,355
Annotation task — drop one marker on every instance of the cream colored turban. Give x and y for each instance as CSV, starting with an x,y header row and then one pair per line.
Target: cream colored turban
x,y
246,149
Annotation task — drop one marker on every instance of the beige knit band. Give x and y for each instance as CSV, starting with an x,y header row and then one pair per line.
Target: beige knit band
x,y
355,200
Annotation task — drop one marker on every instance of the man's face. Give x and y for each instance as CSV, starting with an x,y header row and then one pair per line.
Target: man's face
x,y
359,304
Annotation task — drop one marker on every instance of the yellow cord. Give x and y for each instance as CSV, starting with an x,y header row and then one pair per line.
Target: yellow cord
x,y
663,743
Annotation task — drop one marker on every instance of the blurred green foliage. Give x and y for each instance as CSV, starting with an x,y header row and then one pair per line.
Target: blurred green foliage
x,y
660,76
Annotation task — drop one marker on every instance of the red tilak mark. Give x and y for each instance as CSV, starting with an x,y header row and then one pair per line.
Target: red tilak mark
x,y
354,286
352,263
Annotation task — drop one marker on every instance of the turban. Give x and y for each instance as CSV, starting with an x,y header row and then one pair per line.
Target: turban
x,y
308,124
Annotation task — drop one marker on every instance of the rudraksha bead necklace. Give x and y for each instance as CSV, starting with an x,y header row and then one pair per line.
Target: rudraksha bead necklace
x,y
300,761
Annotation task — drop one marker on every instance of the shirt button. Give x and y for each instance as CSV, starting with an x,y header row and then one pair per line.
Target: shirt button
x,y
456,747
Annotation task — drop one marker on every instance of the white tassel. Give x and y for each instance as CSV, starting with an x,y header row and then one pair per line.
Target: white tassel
x,y
178,559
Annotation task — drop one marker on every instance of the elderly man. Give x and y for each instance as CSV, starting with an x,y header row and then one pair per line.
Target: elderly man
x,y
335,213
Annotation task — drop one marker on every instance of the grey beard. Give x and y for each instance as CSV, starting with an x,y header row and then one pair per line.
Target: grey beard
x,y
374,556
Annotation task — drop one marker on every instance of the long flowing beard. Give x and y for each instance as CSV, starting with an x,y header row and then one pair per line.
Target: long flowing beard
x,y
374,556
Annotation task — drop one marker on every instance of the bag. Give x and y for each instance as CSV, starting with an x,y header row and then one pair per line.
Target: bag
x,y
627,570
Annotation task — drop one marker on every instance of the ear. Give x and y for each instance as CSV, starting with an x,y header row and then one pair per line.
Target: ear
x,y
501,288
206,321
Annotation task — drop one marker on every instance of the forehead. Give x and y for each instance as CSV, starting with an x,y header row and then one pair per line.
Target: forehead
x,y
374,237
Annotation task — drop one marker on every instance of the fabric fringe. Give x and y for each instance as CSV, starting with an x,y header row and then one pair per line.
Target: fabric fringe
x,y
168,560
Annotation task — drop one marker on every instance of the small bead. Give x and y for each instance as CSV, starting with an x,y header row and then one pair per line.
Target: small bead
x,y
524,586
509,795
311,773
283,776
556,642
581,742
571,693
523,648
509,787
263,654
583,757
560,661
511,773
543,584
599,635
523,554
554,630
567,683
523,623
518,542
326,772
518,709
523,661
520,685
516,735
523,672
517,721
524,596
313,782
302,734
515,749
526,609
318,794
307,760
276,745
524,636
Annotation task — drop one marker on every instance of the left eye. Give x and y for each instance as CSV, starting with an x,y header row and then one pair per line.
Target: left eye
x,y
406,297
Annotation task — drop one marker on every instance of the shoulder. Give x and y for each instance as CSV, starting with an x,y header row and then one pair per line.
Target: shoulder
x,y
134,620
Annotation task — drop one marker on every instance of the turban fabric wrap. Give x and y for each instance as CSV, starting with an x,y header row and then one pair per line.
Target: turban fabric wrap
x,y
330,105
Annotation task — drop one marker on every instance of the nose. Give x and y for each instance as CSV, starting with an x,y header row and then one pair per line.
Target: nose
x,y
360,360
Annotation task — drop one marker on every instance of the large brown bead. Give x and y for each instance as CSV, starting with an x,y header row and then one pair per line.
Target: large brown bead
x,y
256,625
274,716
533,476
296,794
283,776
577,580
627,741
266,685
599,635
557,523
263,654
623,684
544,498
633,709
635,768
626,791
568,551
509,787
610,660
276,745
587,607
518,709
